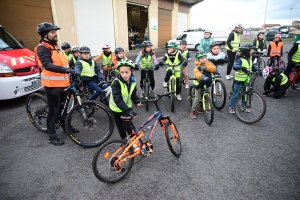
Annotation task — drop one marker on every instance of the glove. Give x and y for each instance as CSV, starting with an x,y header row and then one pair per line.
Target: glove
x,y
202,68
204,78
136,67
161,63
265,50
112,64
156,67
72,72
133,114
244,69
107,91
184,63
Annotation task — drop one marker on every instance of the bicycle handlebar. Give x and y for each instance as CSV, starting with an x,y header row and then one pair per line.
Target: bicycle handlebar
x,y
159,96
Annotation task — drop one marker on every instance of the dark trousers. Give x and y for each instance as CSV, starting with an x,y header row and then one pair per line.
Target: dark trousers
x,y
123,126
55,97
231,57
151,77
167,78
280,92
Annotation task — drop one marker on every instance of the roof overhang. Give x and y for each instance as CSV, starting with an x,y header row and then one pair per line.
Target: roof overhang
x,y
190,2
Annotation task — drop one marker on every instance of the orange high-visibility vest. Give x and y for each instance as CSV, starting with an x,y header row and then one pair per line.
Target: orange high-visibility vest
x,y
275,50
49,78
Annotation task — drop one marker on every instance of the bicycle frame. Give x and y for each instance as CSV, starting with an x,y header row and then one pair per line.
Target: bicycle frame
x,y
297,71
205,93
173,77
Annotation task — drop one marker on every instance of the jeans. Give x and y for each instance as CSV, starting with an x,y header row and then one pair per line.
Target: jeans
x,y
236,90
92,85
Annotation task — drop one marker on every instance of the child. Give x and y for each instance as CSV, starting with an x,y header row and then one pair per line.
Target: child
x,y
243,63
279,81
119,55
89,72
75,55
173,57
107,59
293,59
275,49
202,72
123,95
206,41
217,57
259,41
186,54
147,59
67,50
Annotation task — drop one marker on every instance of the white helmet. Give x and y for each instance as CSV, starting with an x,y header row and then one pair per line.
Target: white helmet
x,y
238,25
208,31
267,70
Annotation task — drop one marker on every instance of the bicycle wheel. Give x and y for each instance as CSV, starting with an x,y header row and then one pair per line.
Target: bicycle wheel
x,y
146,93
261,64
208,110
292,76
172,95
173,139
282,65
191,96
181,79
105,162
71,103
218,93
37,111
94,122
250,107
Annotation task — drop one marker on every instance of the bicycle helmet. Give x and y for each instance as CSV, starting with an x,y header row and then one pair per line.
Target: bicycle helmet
x,y
172,45
247,47
215,44
208,31
238,25
125,62
266,71
200,54
260,32
183,42
118,50
75,48
46,27
84,49
147,44
65,45
277,36
105,46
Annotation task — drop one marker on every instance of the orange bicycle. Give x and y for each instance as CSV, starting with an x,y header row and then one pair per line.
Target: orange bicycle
x,y
114,160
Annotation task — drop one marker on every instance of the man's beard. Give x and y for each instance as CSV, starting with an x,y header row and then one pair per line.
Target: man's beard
x,y
53,39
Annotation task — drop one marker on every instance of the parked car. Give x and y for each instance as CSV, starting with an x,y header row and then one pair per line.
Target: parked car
x,y
269,35
18,70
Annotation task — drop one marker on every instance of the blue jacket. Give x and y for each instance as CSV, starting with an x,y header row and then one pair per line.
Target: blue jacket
x,y
78,69
205,44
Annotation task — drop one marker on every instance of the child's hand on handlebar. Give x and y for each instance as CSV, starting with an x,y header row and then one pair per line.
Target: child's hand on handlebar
x,y
139,104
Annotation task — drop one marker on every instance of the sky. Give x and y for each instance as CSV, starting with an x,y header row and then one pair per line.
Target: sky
x,y
224,14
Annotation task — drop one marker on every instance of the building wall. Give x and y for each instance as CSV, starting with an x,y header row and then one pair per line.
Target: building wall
x,y
153,14
174,25
121,24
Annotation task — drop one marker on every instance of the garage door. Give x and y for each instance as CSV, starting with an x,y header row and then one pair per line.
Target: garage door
x,y
95,24
164,26
182,22
21,18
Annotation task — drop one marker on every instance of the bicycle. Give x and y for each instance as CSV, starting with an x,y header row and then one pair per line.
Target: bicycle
x,y
171,86
116,157
103,98
261,63
278,63
295,74
89,114
206,102
246,108
109,75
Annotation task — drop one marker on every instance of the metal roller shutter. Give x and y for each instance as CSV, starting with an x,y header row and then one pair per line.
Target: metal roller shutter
x,y
164,26
182,22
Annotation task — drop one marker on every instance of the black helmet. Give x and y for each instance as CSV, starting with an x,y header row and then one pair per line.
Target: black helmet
x,y
84,49
247,47
65,45
147,44
183,42
46,27
118,50
260,32
215,44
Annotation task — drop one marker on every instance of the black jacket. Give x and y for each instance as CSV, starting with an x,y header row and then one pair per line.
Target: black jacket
x,y
293,50
277,82
71,62
261,44
231,38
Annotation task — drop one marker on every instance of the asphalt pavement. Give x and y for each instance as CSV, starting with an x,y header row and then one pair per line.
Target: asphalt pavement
x,y
226,160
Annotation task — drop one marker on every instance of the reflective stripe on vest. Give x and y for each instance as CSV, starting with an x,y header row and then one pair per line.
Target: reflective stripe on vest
x,y
184,53
284,79
235,42
87,69
106,60
296,56
240,75
53,79
126,96
146,62
176,61
275,50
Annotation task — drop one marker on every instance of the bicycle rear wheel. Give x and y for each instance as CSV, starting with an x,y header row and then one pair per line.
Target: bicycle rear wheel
x,y
191,96
218,93
173,95
94,122
173,139
250,107
37,111
106,166
208,110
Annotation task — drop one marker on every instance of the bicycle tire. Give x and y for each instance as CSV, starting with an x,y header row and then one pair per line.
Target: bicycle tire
x,y
146,93
219,100
71,103
37,114
208,110
181,79
173,139
252,109
261,64
104,154
191,96
99,115
172,95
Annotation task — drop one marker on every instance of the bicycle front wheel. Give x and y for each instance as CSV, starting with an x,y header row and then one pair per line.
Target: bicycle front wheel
x,y
94,122
106,164
173,95
250,107
37,111
173,139
218,93
208,110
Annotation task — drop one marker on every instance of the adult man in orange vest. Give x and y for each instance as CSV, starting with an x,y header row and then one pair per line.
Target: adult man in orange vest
x,y
54,75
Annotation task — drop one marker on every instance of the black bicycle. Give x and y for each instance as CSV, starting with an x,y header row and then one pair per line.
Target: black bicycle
x,y
93,119
103,98
109,74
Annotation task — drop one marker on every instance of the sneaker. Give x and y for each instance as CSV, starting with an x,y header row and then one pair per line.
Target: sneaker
x,y
74,130
165,84
286,92
178,96
245,109
193,115
153,93
227,77
56,141
200,111
295,87
231,110
142,95
186,85
230,77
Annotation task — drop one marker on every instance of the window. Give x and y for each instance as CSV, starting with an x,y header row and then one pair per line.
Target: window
x,y
8,40
181,37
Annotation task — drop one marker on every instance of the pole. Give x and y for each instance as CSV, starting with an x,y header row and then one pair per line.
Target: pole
x,y
265,14
290,15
